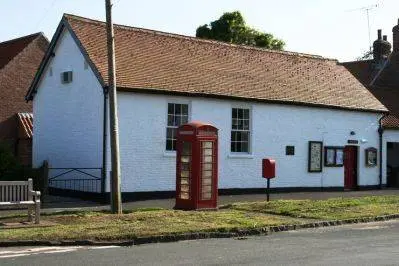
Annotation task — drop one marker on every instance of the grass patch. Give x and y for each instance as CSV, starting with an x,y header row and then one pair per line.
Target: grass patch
x,y
331,209
101,225
105,226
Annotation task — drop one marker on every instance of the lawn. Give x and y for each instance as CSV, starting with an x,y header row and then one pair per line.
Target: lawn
x,y
104,226
331,209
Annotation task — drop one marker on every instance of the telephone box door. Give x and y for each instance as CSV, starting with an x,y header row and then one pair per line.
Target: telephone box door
x,y
208,171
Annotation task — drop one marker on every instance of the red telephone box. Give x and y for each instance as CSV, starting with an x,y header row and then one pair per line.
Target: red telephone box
x,y
196,166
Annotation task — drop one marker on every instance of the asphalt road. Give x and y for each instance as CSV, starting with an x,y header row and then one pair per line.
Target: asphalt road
x,y
359,244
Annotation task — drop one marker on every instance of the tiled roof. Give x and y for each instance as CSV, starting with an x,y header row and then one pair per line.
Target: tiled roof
x,y
23,57
390,122
362,70
169,63
385,87
9,49
25,121
390,97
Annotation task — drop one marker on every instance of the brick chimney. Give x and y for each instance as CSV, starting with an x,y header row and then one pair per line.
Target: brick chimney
x,y
381,49
395,35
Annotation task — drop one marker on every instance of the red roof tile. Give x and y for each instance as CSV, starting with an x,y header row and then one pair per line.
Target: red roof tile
x,y
390,122
25,121
9,49
23,57
169,63
385,87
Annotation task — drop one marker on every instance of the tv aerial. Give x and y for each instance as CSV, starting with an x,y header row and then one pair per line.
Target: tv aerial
x,y
367,10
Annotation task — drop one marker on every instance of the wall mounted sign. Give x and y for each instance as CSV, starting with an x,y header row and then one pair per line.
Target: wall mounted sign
x,y
186,132
289,150
333,156
353,141
339,159
371,156
315,156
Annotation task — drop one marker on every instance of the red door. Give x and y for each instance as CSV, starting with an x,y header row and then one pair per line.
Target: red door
x,y
350,167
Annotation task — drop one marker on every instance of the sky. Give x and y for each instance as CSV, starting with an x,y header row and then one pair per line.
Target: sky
x,y
330,28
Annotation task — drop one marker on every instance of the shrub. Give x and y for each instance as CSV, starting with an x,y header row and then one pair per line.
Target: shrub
x,y
8,162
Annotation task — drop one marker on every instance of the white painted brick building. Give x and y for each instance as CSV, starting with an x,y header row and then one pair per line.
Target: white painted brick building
x,y
269,114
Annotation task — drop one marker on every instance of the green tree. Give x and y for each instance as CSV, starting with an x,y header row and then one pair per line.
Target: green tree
x,y
8,162
231,28
367,55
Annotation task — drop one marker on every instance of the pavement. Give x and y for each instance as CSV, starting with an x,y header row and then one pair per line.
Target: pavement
x,y
56,204
356,244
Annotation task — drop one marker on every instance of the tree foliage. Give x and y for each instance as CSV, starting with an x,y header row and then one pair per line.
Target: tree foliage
x,y
8,162
231,27
367,55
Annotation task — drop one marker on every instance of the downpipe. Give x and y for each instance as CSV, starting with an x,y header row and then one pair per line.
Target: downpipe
x,y
380,134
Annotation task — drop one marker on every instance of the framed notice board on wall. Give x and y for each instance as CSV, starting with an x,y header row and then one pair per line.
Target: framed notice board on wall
x,y
315,160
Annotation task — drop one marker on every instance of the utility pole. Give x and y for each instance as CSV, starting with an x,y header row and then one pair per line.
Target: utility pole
x,y
116,205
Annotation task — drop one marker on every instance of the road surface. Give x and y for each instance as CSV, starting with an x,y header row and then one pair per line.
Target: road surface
x,y
359,244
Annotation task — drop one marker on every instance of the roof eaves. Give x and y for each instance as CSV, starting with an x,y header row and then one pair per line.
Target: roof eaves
x,y
64,24
221,96
356,62
85,54
49,53
22,37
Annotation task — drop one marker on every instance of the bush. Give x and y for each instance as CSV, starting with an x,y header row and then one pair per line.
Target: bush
x,y
8,162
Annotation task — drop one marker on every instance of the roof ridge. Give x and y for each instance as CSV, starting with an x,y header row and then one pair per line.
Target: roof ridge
x,y
181,36
23,37
357,61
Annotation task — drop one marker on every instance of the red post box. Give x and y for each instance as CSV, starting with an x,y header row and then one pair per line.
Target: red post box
x,y
268,172
268,168
196,166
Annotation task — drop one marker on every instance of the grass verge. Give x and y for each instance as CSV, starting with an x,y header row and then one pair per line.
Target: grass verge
x,y
330,209
103,226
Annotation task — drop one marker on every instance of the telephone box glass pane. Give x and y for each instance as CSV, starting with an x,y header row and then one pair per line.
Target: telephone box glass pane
x,y
185,170
184,195
208,152
207,161
207,144
206,196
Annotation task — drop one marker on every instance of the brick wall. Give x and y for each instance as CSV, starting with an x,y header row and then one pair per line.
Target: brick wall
x,y
15,79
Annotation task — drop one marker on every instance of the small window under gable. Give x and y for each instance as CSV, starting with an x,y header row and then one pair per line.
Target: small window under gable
x,y
66,77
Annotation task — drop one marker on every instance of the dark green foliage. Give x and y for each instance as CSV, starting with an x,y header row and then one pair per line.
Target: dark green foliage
x,y
231,27
367,55
8,162
12,170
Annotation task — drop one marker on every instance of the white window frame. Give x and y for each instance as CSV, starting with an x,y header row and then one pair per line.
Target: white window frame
x,y
173,101
250,135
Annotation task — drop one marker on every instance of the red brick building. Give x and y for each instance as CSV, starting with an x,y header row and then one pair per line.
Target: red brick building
x,y
19,61
381,76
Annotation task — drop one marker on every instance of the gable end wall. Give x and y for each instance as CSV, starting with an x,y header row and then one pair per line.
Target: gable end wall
x,y
68,118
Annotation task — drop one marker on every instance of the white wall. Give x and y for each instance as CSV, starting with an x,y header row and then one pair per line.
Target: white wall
x,y
68,118
388,136
147,167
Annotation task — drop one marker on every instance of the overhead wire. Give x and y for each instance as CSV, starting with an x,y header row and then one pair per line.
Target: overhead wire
x,y
45,14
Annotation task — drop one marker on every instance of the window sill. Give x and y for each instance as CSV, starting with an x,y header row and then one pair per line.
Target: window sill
x,y
169,154
240,156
